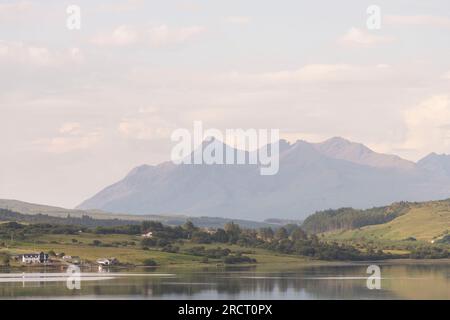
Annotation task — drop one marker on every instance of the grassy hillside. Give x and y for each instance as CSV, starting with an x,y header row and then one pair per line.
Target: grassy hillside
x,y
33,208
130,250
349,218
137,256
425,221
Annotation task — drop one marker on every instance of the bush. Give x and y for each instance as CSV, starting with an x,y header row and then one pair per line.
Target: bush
x,y
171,249
4,259
445,240
162,242
148,242
234,259
150,263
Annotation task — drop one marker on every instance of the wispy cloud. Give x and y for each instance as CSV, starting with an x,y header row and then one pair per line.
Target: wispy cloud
x,y
362,38
20,52
146,124
70,128
15,7
120,36
71,138
159,36
314,73
428,125
149,128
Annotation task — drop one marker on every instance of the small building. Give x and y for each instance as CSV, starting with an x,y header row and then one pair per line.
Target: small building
x,y
35,258
72,259
210,231
107,262
148,235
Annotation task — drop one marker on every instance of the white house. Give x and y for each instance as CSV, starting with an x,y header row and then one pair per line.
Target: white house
x,y
107,262
35,258
210,231
148,235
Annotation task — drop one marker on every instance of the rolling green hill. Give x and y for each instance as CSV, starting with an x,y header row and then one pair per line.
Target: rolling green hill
x,y
425,221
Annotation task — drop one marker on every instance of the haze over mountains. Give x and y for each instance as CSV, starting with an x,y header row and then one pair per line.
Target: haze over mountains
x,y
312,176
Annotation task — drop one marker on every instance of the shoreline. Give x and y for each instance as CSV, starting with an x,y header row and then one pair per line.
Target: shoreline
x,y
224,267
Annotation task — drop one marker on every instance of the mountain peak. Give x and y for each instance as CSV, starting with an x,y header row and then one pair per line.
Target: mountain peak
x,y
340,148
434,155
337,140
312,176
438,163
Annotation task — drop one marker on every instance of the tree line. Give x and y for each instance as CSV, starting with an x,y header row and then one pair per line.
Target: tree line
x,y
349,218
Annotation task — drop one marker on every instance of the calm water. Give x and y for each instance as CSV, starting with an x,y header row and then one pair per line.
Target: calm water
x,y
421,280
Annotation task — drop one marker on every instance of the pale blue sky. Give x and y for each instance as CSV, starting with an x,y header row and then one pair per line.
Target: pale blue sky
x,y
81,108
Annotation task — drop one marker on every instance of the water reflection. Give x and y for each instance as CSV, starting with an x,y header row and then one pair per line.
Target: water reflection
x,y
399,281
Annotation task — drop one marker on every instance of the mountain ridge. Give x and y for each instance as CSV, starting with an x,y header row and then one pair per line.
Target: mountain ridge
x,y
28,209
312,177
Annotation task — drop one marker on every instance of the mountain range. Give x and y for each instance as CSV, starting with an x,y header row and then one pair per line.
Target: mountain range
x,y
312,176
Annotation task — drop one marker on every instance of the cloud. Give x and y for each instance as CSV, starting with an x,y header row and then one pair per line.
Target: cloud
x,y
15,8
239,20
148,126
70,127
446,76
159,36
361,38
418,20
120,36
19,52
314,73
163,35
71,138
428,125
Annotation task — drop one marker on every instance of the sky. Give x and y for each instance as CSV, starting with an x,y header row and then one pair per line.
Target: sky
x,y
79,108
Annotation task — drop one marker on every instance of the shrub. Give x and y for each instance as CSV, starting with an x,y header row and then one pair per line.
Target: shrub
x,y
234,259
148,242
150,263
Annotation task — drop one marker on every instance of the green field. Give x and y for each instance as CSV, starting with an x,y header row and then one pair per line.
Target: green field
x,y
134,254
426,222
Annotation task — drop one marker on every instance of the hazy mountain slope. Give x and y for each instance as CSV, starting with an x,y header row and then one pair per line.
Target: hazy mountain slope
x,y
423,221
436,163
340,148
32,209
312,177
